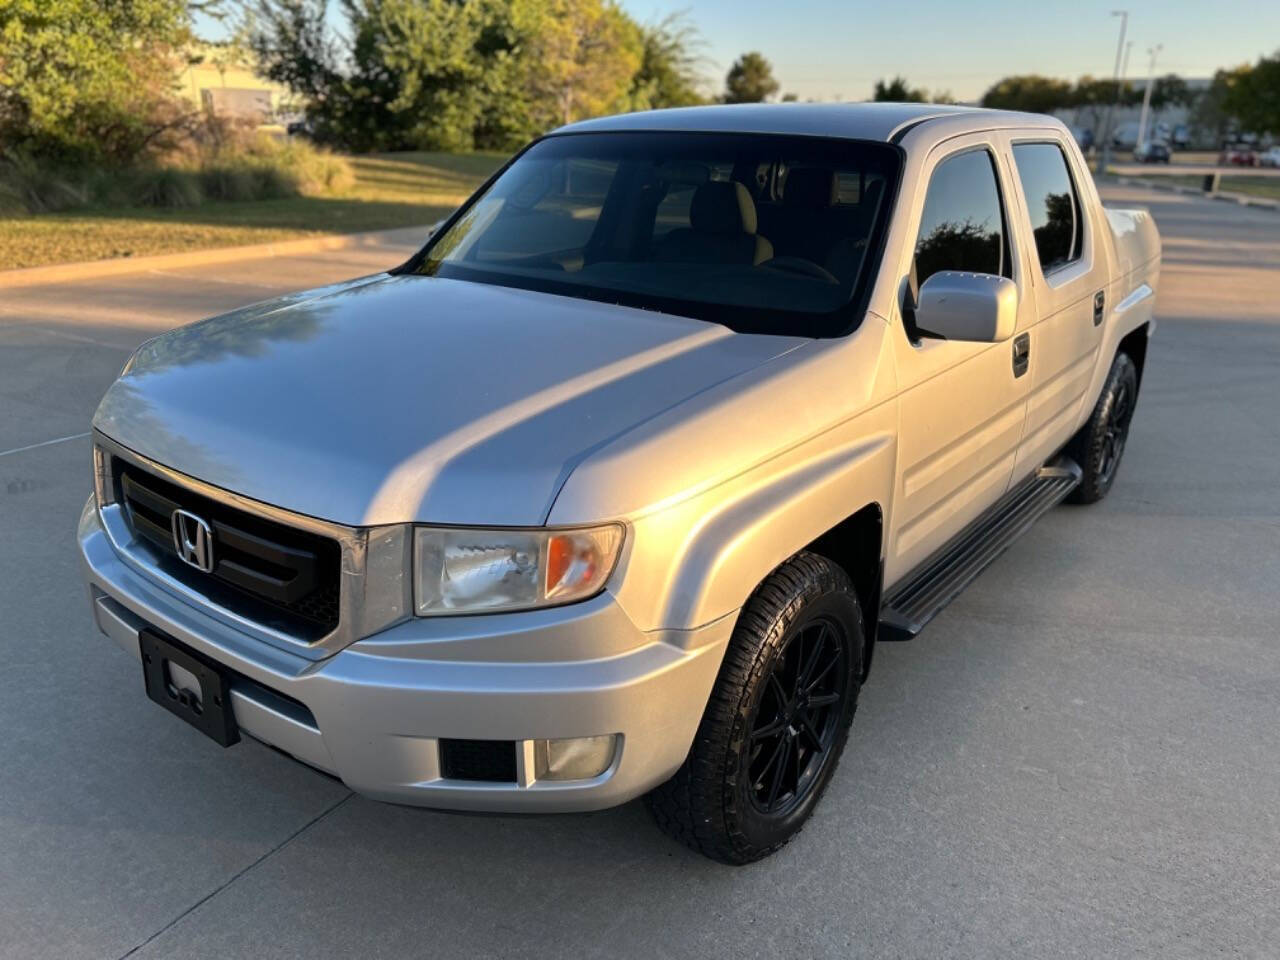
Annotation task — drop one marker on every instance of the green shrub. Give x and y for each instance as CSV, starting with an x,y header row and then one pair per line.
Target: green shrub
x,y
227,182
311,170
245,168
167,187
37,187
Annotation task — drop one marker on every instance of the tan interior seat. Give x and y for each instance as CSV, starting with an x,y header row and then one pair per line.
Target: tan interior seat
x,y
722,229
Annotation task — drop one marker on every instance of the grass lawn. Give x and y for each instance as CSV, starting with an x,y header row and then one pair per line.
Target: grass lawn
x,y
1253,186
391,190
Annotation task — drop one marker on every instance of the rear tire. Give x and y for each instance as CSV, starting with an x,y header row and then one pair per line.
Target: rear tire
x,y
777,719
1100,444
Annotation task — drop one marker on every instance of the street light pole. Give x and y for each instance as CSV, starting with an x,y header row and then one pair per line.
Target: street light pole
x,y
1146,94
1115,76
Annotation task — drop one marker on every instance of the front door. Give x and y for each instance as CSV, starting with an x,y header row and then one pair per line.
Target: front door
x,y
961,404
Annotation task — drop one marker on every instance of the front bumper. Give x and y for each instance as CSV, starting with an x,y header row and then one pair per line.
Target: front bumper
x,y
372,714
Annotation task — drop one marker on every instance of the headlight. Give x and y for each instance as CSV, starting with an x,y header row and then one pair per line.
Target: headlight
x,y
473,571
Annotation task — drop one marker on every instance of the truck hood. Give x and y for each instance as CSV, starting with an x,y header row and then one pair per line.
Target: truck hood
x,y
408,398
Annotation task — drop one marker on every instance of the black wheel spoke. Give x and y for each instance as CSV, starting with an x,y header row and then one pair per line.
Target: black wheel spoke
x,y
771,729
802,678
775,684
807,728
770,763
779,772
822,675
790,737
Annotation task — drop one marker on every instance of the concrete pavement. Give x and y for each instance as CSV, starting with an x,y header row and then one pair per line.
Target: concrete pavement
x,y
1079,758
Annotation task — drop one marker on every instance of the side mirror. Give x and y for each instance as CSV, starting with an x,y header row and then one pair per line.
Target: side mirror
x,y
955,305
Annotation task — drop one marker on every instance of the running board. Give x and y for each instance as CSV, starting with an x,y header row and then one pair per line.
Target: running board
x,y
940,579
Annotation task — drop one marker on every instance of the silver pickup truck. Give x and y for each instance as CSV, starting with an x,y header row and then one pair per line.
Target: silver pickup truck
x,y
613,487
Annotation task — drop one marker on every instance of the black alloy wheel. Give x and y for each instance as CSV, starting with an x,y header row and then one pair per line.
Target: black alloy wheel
x,y
777,719
797,718
1099,445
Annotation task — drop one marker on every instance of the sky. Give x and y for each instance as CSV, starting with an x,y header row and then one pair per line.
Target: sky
x,y
827,50
837,50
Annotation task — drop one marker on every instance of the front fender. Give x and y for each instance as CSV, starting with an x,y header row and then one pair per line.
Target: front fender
x,y
725,487
731,544
701,559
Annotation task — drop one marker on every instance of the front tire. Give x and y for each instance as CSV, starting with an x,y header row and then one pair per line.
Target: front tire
x,y
777,720
1100,444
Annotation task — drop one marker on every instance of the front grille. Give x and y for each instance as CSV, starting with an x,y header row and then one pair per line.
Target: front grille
x,y
279,576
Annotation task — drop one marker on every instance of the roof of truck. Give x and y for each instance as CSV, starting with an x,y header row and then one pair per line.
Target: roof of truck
x,y
856,121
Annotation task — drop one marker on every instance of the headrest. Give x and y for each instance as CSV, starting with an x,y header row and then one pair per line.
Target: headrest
x,y
722,206
810,188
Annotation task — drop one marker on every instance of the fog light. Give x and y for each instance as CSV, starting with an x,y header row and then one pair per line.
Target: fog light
x,y
579,758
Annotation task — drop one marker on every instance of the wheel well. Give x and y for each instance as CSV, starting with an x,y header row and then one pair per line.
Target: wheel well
x,y
1134,345
854,543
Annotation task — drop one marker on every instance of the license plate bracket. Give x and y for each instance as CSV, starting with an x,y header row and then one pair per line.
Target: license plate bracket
x,y
211,712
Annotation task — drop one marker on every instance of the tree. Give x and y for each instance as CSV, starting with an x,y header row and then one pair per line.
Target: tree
x,y
83,79
750,79
1213,114
583,55
670,58
1170,89
1253,95
897,91
443,74
1029,92
1095,98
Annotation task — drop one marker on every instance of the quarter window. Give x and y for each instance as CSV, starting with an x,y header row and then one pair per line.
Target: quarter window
x,y
963,224
1052,203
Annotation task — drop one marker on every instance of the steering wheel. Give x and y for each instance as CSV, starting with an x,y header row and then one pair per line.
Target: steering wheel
x,y
801,266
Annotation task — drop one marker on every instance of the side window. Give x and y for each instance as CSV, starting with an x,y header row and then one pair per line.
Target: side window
x,y
1052,203
963,223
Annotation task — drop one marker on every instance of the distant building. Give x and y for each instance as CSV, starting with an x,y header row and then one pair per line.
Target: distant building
x,y
222,80
1161,123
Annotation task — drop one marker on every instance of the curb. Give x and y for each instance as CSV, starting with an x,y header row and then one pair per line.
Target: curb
x,y
1241,199
30,276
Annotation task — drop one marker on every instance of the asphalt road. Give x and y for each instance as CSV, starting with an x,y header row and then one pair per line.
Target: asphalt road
x,y
1079,758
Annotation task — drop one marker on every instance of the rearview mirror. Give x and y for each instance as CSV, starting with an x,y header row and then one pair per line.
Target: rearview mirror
x,y
954,305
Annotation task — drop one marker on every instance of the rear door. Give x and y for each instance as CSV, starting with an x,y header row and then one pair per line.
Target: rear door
x,y
961,403
1067,269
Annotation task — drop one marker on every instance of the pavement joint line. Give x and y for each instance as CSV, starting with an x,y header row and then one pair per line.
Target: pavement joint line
x,y
77,337
43,443
191,276
226,883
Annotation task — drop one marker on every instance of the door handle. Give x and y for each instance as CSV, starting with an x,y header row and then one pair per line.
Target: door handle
x,y
1021,354
1099,302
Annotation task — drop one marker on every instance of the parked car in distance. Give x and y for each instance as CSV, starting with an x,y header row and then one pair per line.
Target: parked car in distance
x,y
1238,155
1125,135
1181,136
1269,157
1152,152
1083,137
612,489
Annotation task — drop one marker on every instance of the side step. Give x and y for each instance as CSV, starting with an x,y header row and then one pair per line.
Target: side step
x,y
941,578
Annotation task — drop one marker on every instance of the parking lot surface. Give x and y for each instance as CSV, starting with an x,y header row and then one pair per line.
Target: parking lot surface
x,y
1079,758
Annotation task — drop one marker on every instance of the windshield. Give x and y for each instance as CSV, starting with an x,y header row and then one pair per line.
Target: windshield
x,y
764,234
